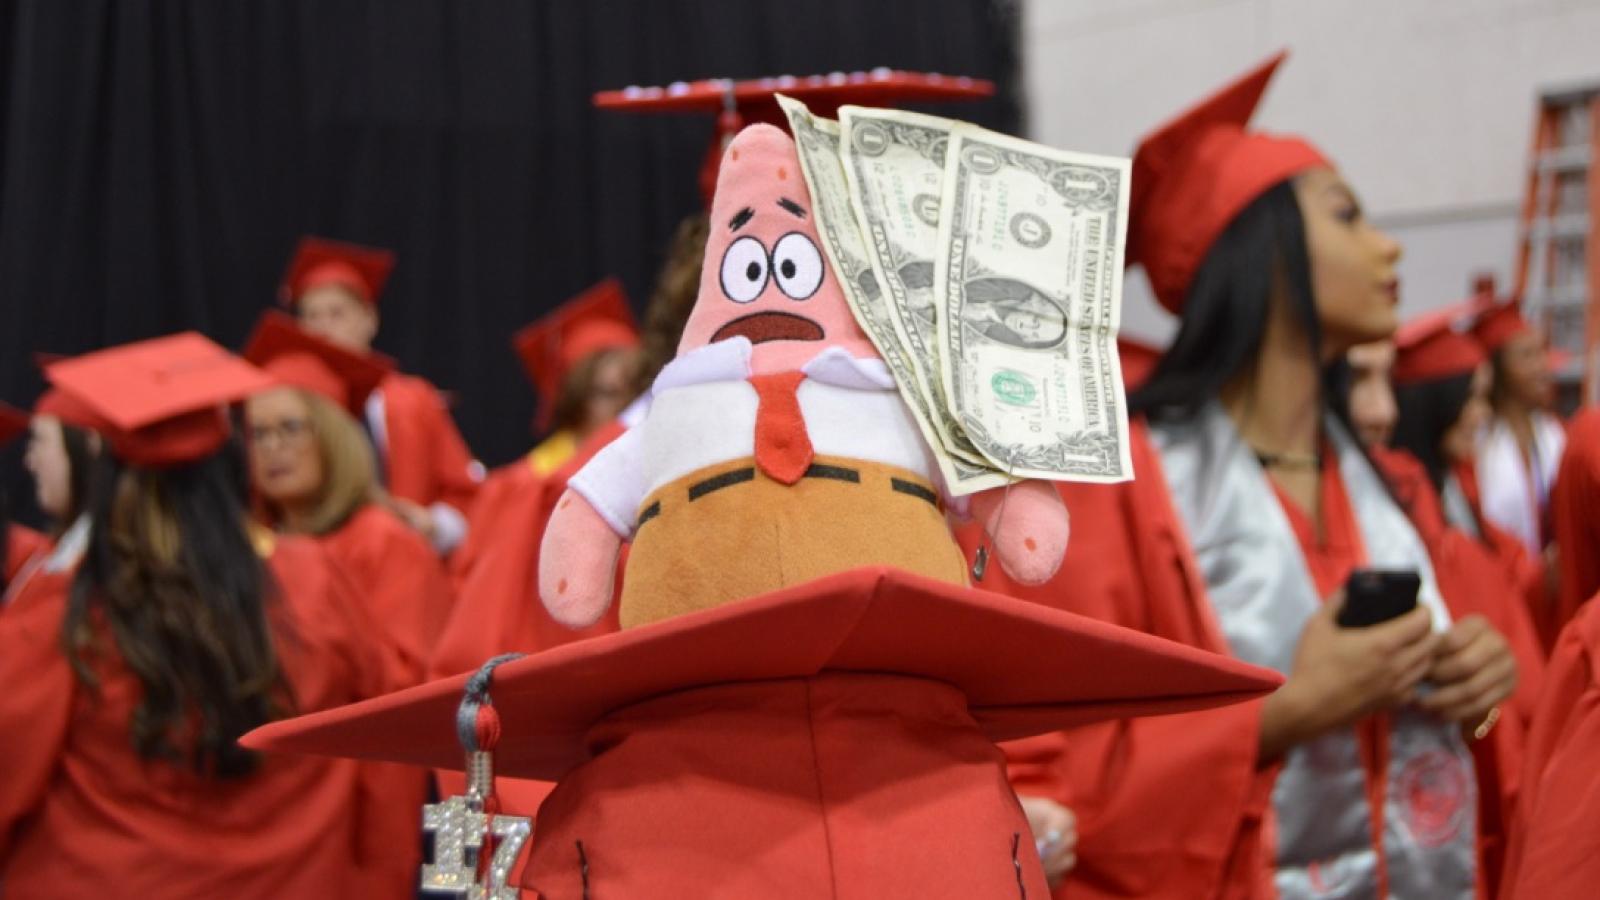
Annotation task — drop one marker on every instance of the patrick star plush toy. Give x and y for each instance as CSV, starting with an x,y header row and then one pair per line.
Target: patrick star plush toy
x,y
775,449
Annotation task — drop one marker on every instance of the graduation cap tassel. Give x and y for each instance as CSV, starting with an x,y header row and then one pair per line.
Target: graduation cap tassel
x,y
475,846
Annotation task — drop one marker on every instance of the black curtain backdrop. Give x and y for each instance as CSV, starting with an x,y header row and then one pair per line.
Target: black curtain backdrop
x,y
159,158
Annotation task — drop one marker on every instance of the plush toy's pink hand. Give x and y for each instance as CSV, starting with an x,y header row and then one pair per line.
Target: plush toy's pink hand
x,y
1033,537
578,563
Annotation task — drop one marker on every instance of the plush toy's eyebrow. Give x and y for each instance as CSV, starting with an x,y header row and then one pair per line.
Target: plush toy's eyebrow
x,y
739,218
792,207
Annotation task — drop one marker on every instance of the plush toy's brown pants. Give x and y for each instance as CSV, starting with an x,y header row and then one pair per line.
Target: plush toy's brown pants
x,y
727,532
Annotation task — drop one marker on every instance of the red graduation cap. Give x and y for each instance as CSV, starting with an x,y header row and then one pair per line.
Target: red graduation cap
x,y
320,261
157,402
297,358
740,103
1059,670
13,423
595,320
1196,173
1498,321
1437,345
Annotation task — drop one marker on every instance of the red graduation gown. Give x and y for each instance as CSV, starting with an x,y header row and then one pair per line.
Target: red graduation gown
x,y
501,490
1525,571
1555,849
22,543
1145,830
425,459
1474,579
81,814
399,578
1575,516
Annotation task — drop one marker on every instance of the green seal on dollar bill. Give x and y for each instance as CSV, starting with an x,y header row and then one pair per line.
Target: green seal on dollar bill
x,y
1013,387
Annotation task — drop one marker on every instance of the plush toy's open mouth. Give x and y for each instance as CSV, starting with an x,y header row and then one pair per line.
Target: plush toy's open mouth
x,y
771,326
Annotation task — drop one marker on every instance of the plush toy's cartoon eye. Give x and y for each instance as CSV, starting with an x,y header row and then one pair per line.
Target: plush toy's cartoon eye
x,y
744,270
797,265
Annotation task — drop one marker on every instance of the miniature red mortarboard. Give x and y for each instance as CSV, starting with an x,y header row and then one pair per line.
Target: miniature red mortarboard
x,y
295,357
595,320
1061,669
1436,345
1196,173
13,423
318,261
740,103
158,402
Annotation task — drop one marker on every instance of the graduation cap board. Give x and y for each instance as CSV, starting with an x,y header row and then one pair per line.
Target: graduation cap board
x,y
157,402
295,357
878,87
1025,669
740,103
1437,345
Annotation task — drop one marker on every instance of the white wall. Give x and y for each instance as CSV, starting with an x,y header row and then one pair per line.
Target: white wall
x,y
1426,105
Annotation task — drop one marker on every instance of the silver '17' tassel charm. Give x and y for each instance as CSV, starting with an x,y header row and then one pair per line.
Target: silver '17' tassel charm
x,y
463,826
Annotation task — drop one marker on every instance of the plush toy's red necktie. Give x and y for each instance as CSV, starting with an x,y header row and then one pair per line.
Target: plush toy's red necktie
x,y
783,449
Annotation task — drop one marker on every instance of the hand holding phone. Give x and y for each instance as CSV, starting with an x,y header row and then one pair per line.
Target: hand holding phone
x,y
1372,596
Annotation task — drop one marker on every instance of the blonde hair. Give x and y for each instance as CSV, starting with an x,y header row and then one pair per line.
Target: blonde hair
x,y
349,471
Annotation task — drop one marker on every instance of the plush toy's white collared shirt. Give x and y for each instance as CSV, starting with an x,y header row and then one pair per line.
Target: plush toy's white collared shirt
x,y
703,412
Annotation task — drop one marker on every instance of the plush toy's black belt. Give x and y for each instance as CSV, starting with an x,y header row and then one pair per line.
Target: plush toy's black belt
x,y
817,470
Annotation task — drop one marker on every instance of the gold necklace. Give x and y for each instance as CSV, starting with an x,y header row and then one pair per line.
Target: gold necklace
x,y
1292,461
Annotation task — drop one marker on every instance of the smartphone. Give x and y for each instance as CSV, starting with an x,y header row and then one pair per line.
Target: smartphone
x,y
1378,595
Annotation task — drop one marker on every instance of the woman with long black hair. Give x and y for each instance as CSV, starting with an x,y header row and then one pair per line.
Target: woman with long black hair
x,y
1252,505
131,673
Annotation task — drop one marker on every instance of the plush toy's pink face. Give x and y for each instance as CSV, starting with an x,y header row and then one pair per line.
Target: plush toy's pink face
x,y
765,275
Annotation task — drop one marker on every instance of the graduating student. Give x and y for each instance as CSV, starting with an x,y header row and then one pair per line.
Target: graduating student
x,y
1520,446
1252,506
311,468
582,358
132,668
333,288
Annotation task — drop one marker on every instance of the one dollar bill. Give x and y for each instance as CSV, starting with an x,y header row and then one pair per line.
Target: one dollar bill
x,y
1030,257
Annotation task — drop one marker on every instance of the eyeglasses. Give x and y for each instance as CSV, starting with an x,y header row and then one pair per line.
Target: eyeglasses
x,y
289,431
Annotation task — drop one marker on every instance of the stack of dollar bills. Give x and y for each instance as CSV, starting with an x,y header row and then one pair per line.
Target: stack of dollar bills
x,y
987,270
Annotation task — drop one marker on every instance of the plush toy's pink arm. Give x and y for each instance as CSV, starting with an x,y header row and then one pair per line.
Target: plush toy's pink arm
x,y
578,562
1033,537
